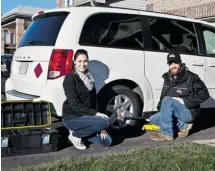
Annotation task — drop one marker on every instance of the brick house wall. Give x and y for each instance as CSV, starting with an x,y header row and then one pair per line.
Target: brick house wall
x,y
60,3
4,44
188,8
133,4
2,41
19,30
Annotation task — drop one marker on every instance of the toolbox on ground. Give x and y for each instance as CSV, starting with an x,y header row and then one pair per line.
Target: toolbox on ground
x,y
28,141
25,114
26,128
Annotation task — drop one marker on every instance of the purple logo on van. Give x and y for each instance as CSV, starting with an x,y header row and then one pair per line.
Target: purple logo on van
x,y
38,70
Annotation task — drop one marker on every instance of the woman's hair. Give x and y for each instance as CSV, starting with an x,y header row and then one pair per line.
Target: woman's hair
x,y
77,53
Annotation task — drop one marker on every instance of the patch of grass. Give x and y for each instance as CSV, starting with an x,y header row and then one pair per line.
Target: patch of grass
x,y
186,157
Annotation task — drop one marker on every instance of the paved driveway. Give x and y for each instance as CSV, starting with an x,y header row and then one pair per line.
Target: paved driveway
x,y
123,140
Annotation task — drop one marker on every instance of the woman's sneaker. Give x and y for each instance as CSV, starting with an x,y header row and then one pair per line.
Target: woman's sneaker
x,y
107,140
77,142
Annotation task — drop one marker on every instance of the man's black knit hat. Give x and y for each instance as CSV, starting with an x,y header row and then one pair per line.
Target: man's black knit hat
x,y
173,57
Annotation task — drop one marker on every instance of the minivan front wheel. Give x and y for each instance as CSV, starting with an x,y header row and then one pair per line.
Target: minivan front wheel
x,y
119,102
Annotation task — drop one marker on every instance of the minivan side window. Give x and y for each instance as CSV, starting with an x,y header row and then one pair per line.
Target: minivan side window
x,y
173,35
112,30
209,38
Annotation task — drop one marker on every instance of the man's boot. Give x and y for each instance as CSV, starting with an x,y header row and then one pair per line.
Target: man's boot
x,y
185,132
161,137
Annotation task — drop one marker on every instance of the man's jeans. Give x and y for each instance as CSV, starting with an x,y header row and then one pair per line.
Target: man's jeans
x,y
86,126
171,111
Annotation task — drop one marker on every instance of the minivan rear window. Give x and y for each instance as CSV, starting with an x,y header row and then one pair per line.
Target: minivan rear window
x,y
44,30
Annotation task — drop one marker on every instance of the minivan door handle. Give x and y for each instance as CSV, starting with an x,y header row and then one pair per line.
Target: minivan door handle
x,y
197,64
211,65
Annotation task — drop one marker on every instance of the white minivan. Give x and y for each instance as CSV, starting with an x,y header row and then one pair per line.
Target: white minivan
x,y
127,50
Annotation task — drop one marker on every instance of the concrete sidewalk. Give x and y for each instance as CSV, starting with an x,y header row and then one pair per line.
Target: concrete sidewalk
x,y
210,142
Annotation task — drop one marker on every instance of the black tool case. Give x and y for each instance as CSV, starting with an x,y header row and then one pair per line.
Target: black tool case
x,y
26,128
28,141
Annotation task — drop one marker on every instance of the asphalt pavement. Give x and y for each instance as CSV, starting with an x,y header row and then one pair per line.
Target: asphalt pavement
x,y
124,140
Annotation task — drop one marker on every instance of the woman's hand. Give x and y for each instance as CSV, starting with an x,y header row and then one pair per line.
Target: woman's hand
x,y
179,99
103,134
102,115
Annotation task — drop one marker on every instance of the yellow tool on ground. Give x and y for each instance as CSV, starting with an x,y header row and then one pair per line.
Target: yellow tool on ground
x,y
151,127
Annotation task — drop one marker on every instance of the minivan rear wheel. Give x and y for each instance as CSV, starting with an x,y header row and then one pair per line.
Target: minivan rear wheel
x,y
119,102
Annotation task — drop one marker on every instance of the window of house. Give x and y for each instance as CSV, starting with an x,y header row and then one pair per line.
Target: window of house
x,y
113,30
173,35
6,37
12,38
209,38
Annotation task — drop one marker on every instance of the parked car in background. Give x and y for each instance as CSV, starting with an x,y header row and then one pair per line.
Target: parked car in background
x,y
3,67
127,50
6,60
6,57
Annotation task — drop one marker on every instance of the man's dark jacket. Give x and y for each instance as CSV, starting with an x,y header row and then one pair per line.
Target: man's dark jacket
x,y
187,86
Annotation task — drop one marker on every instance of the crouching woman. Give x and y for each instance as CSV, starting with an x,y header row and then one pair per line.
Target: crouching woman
x,y
79,109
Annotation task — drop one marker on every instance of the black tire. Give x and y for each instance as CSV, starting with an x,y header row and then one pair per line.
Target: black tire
x,y
109,93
